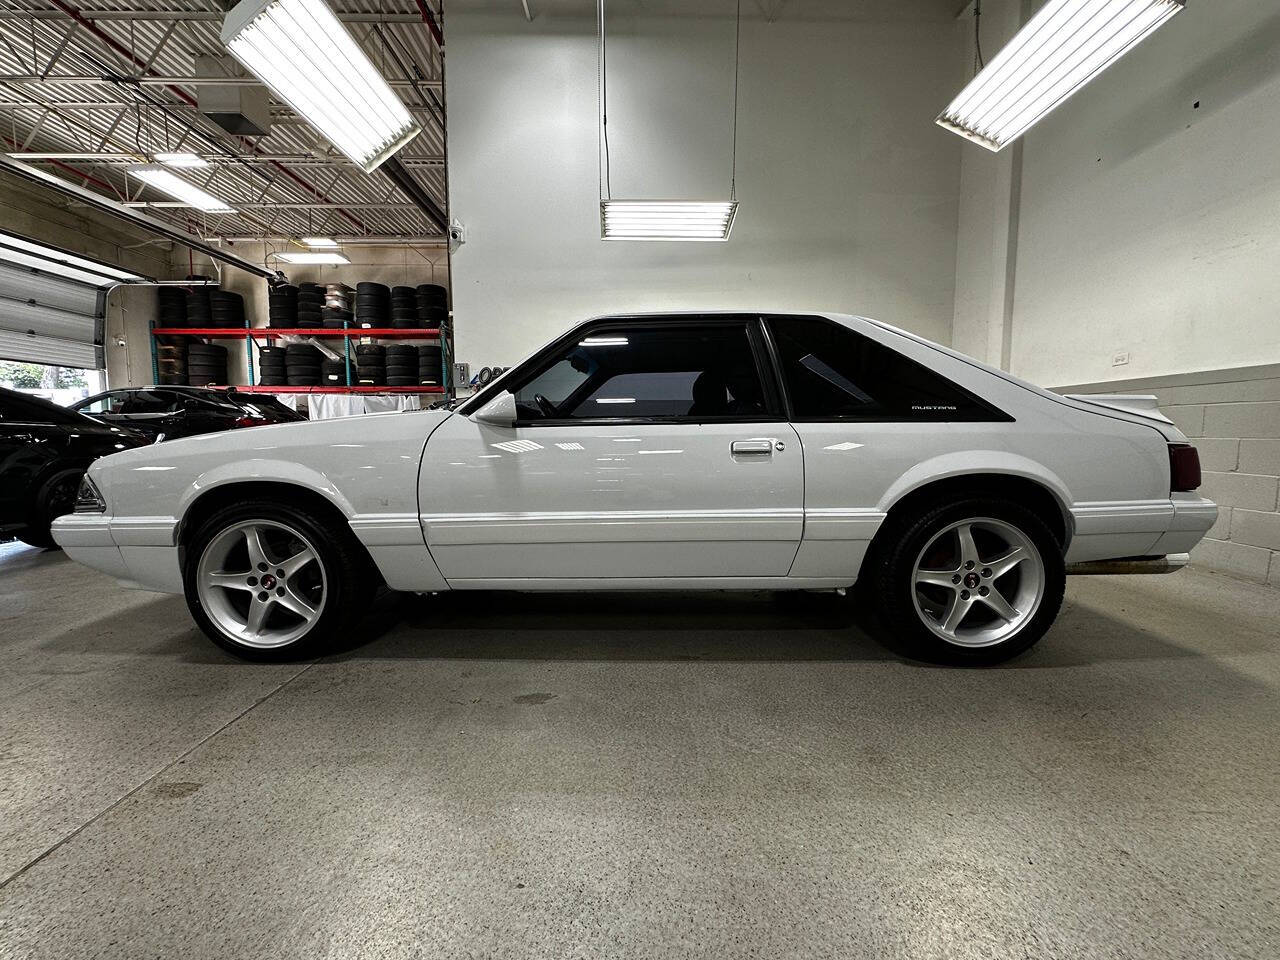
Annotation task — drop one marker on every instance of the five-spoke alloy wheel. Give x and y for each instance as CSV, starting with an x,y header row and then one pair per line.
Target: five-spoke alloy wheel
x,y
262,582
974,581
269,580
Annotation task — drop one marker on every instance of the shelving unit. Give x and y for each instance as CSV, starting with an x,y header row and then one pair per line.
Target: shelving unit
x,y
251,335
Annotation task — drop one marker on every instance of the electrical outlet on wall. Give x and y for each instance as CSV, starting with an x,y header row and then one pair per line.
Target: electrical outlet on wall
x,y
1120,359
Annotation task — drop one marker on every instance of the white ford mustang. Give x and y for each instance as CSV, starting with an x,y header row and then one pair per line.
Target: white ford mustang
x,y
676,451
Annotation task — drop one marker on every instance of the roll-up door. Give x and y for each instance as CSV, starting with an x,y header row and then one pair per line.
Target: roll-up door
x,y
52,303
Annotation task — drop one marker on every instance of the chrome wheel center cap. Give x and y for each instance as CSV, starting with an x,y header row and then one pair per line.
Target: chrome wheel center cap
x,y
971,580
269,582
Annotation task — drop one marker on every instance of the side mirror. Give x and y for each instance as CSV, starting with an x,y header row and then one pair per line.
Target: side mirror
x,y
498,412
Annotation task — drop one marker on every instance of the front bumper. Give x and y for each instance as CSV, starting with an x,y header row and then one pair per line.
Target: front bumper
x,y
139,552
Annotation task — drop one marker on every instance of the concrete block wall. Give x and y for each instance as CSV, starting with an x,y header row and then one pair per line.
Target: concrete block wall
x,y
1233,417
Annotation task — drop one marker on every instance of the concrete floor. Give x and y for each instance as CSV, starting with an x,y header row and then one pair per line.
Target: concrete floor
x,y
604,776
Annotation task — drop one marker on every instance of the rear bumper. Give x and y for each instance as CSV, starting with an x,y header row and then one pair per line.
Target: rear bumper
x,y
1130,565
1142,528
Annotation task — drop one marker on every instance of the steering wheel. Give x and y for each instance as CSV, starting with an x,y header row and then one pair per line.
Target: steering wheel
x,y
546,406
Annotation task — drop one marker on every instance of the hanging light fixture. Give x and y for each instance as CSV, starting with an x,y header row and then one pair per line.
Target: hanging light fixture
x,y
168,182
678,220
312,257
305,55
1064,46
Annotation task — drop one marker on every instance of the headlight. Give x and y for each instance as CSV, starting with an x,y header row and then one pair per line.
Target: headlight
x,y
89,498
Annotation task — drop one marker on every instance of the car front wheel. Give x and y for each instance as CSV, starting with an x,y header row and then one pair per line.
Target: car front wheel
x,y
973,582
267,581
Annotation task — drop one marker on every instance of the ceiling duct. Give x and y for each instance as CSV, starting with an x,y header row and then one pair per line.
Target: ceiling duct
x,y
244,110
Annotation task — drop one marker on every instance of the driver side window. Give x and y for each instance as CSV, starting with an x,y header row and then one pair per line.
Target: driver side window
x,y
693,372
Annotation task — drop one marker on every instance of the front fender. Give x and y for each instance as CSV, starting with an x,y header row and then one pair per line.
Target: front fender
x,y
274,471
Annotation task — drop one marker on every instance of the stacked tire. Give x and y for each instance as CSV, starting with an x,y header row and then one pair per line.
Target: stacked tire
x,y
206,365
432,301
310,305
199,308
371,365
171,306
333,373
302,364
404,308
337,306
282,306
402,365
373,305
226,309
272,371
430,365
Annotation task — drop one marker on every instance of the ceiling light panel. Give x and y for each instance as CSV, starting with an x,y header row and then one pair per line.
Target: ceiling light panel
x,y
184,160
1064,46
302,52
168,182
320,241
704,220
302,257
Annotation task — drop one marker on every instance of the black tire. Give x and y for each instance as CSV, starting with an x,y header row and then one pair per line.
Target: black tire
x,y
890,573
303,380
405,381
56,498
347,570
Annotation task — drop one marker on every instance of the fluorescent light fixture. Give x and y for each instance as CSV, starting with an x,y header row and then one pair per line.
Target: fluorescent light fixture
x,y
667,219
301,257
37,256
302,52
188,193
320,241
604,342
185,160
1062,48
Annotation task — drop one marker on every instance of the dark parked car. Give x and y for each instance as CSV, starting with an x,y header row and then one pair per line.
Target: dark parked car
x,y
170,412
44,451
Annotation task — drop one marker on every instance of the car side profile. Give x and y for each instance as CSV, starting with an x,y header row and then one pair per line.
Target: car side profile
x,y
721,451
171,412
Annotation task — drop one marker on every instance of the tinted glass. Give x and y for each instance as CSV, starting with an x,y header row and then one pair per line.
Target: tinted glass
x,y
834,373
686,370
106,403
19,408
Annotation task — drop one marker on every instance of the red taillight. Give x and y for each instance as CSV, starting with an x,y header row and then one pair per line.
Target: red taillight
x,y
1184,467
249,421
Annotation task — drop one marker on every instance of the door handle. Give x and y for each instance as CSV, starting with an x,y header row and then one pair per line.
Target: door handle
x,y
753,448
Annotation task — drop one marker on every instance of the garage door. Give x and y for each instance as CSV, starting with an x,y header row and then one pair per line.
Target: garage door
x,y
52,303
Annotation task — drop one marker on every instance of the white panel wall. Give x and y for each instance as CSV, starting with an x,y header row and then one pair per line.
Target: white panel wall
x,y
848,190
1153,227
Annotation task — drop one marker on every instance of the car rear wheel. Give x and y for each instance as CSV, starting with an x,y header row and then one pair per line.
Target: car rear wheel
x,y
267,581
974,582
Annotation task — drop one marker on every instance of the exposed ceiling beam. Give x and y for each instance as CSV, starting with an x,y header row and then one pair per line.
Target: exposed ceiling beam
x,y
140,220
187,81
202,15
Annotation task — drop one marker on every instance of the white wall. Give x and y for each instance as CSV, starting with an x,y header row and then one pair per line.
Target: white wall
x,y
1149,226
848,191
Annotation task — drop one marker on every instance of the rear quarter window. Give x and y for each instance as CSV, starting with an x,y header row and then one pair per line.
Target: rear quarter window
x,y
834,373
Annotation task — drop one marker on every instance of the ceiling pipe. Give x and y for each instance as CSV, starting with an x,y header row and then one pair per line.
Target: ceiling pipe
x,y
429,19
141,220
412,189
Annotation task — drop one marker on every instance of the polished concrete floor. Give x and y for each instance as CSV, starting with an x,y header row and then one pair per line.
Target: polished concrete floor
x,y
715,776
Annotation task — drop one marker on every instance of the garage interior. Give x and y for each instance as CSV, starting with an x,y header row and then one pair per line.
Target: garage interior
x,y
709,774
